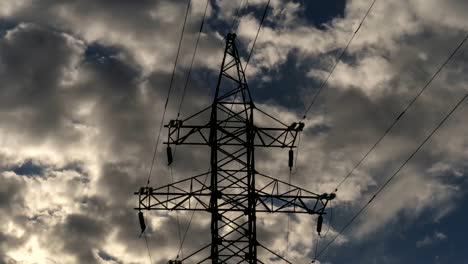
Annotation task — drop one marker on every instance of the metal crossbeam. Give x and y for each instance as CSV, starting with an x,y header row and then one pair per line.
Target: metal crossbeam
x,y
193,194
233,129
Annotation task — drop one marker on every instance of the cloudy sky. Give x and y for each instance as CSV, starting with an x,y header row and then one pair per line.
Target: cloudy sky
x,y
83,85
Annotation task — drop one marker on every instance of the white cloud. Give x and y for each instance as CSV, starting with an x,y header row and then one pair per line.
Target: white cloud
x,y
105,118
430,240
371,75
7,8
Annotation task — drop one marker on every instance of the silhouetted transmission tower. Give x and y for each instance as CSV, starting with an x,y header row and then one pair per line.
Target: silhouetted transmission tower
x,y
236,192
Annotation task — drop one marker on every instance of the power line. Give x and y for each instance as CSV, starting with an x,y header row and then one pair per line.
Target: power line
x,y
274,253
289,182
193,59
393,176
256,36
316,248
177,215
324,82
165,110
182,238
190,221
149,252
326,233
178,114
289,219
334,66
316,95
236,15
168,94
402,113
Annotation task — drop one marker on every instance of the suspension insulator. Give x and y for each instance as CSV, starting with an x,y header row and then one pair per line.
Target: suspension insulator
x,y
169,155
319,224
142,221
291,158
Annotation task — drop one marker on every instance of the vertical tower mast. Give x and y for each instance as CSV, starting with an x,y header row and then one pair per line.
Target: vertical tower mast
x,y
232,121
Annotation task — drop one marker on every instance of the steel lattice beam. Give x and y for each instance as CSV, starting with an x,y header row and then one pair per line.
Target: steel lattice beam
x,y
193,194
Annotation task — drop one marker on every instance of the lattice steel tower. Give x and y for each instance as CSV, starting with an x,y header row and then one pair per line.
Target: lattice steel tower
x,y
236,192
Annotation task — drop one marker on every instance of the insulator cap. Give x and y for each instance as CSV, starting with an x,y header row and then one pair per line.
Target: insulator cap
x,y
142,221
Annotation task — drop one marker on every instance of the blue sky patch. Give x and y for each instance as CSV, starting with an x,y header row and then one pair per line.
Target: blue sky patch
x,y
29,168
285,86
100,53
420,240
5,26
322,12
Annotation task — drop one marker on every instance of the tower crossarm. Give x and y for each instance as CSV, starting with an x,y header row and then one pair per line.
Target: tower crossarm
x,y
192,194
276,196
271,196
279,136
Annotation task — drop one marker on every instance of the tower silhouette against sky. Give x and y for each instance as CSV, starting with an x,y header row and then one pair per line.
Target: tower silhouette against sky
x,y
232,191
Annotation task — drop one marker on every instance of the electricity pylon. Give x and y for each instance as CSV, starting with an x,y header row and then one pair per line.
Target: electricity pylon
x,y
236,192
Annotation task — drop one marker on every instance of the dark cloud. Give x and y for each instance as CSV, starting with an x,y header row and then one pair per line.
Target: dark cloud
x,y
11,196
11,201
34,62
83,88
80,234
5,25
106,257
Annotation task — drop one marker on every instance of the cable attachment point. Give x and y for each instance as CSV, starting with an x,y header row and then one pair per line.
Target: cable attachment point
x,y
145,190
296,126
175,123
328,196
300,126
292,126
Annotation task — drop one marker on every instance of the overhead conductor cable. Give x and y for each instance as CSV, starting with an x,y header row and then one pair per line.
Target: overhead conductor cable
x,y
409,158
401,114
162,122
